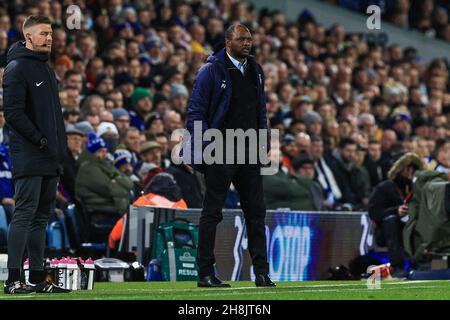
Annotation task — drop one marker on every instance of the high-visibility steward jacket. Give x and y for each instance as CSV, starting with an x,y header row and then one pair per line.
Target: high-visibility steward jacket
x,y
150,199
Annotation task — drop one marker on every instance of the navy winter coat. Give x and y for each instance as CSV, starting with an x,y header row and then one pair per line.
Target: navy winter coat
x,y
32,112
211,95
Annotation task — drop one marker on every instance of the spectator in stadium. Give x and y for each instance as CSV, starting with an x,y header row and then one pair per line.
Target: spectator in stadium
x,y
130,140
125,83
162,191
387,208
4,132
172,121
191,184
373,164
122,162
289,151
6,183
325,175
109,133
313,122
287,190
121,119
66,186
178,97
440,160
93,105
341,164
155,124
142,101
98,183
304,167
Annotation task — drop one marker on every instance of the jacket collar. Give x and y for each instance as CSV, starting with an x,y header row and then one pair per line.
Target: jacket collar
x,y
219,56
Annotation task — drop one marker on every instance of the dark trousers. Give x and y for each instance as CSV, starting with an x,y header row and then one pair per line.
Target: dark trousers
x,y
391,231
248,182
34,197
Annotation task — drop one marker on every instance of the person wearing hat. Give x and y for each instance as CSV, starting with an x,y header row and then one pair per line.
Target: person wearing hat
x,y
85,127
142,101
387,207
313,122
99,185
289,151
160,103
178,97
121,119
103,84
122,162
155,124
109,133
150,152
401,124
74,150
125,82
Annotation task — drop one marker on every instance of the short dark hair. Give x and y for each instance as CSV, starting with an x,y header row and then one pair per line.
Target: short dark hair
x,y
31,21
346,141
230,30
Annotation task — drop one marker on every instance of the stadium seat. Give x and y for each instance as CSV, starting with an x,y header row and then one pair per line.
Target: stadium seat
x,y
96,226
55,235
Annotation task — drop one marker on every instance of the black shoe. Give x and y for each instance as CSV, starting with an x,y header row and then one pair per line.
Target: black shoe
x,y
263,280
16,287
46,287
211,282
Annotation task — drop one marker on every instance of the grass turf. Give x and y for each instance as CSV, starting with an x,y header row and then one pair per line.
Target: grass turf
x,y
245,290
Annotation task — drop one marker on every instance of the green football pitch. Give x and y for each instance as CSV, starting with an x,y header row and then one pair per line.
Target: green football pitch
x,y
245,290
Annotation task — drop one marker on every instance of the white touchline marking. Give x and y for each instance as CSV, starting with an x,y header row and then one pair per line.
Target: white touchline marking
x,y
362,284
309,291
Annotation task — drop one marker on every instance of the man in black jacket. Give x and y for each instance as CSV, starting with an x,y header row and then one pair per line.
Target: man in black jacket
x,y
38,142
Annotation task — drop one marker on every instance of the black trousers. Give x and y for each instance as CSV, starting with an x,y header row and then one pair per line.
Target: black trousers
x,y
34,197
248,182
390,234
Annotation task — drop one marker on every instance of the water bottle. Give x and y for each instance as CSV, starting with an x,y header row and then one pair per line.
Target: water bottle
x,y
62,273
87,274
72,274
26,270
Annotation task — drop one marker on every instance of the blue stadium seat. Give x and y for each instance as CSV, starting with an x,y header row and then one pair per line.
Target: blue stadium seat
x,y
55,235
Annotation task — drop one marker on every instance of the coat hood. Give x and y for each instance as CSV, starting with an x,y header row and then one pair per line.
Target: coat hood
x,y
18,50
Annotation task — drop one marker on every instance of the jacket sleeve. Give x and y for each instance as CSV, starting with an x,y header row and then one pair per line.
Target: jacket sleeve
x,y
379,206
263,115
197,109
94,179
14,104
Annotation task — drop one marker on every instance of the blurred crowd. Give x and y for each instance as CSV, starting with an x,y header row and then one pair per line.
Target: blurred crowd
x,y
430,17
346,108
